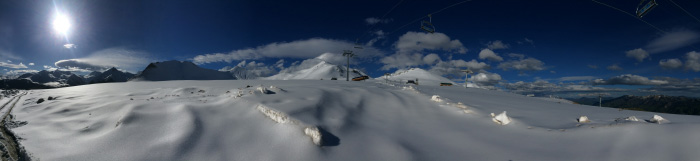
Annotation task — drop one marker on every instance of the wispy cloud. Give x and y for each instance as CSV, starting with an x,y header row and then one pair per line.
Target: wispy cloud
x,y
576,78
522,64
375,20
8,55
673,40
304,49
498,44
130,60
614,67
419,41
629,79
14,66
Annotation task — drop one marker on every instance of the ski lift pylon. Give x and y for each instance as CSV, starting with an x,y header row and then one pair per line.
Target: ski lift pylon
x,y
643,9
427,26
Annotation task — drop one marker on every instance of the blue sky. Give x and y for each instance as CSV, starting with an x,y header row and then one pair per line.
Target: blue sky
x,y
544,47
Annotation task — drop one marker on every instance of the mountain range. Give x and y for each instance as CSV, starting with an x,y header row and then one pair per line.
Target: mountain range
x,y
652,103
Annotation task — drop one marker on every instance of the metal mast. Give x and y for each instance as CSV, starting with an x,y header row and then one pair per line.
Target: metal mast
x,y
348,53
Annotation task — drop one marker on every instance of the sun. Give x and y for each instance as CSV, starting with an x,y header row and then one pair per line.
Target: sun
x,y
61,24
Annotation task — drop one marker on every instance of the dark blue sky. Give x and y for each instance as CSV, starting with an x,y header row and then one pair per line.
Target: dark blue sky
x,y
564,43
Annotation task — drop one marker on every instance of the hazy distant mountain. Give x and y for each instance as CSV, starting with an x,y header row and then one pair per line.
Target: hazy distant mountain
x,y
111,75
178,70
54,78
593,101
657,103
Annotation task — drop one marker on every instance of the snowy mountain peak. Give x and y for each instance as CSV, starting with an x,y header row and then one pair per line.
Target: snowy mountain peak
x,y
424,77
315,69
179,70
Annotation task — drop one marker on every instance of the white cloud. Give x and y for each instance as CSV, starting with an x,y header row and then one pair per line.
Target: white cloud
x,y
527,64
670,63
490,55
486,79
379,35
70,46
638,54
126,59
309,48
498,44
74,69
14,66
453,68
673,40
374,20
419,41
431,59
31,64
17,72
692,61
9,61
401,60
614,67
629,79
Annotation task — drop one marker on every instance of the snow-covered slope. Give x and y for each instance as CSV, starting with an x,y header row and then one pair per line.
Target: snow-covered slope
x,y
315,69
424,77
334,120
179,70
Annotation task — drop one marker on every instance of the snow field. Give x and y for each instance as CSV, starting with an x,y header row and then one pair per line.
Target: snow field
x,y
229,120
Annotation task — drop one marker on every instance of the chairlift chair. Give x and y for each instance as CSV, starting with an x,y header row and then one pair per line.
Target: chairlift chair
x,y
427,26
643,10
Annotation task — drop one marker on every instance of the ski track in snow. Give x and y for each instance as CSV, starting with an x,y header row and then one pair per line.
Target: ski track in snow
x,y
288,120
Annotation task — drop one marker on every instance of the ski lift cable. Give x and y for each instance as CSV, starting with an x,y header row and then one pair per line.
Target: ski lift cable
x,y
423,17
374,25
686,12
657,28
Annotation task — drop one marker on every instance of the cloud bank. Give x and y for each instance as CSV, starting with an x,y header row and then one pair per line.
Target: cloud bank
x,y
304,49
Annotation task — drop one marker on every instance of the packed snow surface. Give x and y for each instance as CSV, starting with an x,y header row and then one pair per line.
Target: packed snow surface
x,y
333,120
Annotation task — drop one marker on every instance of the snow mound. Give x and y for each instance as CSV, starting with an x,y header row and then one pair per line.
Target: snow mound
x,y
274,115
436,98
659,120
264,90
502,118
314,133
583,119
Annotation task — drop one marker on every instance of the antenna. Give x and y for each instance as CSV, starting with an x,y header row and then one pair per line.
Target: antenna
x,y
466,79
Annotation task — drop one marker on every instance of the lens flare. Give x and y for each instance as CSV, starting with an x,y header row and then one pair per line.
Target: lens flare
x,y
61,24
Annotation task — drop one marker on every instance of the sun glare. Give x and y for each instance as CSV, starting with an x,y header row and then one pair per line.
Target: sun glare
x,y
61,24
